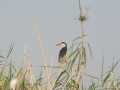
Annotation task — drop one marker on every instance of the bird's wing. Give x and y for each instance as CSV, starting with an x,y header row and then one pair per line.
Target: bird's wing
x,y
62,53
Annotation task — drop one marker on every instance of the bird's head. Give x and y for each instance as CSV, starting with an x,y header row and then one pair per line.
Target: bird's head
x,y
62,44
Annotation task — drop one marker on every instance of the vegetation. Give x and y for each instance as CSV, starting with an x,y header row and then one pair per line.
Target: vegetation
x,y
70,76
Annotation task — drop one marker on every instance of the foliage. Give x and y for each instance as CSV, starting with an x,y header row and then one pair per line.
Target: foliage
x,y
70,75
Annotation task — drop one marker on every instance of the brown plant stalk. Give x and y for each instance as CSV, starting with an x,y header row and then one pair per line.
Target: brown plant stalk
x,y
82,50
35,25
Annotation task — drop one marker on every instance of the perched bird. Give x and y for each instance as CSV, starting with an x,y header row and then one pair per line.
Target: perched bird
x,y
63,52
13,83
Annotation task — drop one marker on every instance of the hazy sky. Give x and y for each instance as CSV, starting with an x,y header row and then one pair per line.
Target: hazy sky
x,y
56,23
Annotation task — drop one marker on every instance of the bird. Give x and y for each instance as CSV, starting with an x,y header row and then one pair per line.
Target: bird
x,y
62,53
13,83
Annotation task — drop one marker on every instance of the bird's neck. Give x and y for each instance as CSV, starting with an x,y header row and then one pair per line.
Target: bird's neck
x,y
65,47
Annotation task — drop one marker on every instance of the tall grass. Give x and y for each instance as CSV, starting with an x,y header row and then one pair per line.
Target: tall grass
x,y
70,75
65,79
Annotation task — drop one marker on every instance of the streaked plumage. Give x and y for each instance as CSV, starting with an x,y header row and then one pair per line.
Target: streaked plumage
x,y
63,53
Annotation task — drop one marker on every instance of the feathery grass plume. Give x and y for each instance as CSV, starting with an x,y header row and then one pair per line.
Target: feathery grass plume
x,y
45,64
82,18
10,49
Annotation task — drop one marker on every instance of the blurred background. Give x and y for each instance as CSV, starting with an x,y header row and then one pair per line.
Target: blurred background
x,y
56,23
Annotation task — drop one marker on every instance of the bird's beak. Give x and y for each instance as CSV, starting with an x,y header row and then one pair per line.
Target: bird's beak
x,y
58,45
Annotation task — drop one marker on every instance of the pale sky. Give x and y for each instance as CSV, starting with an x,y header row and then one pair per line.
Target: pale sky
x,y
56,23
